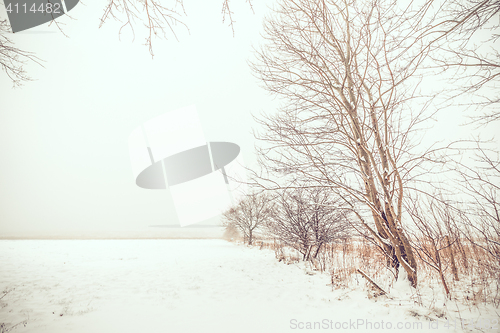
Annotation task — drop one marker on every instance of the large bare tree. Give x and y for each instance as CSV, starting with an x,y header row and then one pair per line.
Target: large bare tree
x,y
348,74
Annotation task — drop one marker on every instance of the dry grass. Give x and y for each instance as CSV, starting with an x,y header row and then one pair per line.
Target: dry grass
x,y
479,274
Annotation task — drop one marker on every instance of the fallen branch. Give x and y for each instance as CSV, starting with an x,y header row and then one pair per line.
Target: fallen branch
x,y
5,292
371,281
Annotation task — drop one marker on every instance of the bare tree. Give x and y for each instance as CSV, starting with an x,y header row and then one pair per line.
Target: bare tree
x,y
348,75
248,215
328,219
290,222
307,219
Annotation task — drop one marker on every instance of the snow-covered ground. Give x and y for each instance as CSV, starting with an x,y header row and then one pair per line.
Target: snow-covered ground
x,y
168,285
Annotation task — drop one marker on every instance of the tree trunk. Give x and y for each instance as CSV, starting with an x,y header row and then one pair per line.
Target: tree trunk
x,y
317,250
399,248
409,264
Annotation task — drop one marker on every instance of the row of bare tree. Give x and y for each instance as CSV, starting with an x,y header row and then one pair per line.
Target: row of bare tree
x,y
442,233
303,219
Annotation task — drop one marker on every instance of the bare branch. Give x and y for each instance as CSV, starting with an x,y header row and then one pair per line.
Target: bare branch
x,y
12,59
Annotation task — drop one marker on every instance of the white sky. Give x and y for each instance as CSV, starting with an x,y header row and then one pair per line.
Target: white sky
x,y
65,164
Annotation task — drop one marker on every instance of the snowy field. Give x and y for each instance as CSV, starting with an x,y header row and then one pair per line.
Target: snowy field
x,y
185,286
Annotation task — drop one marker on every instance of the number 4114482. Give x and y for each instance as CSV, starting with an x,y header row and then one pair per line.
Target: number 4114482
x,y
48,8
